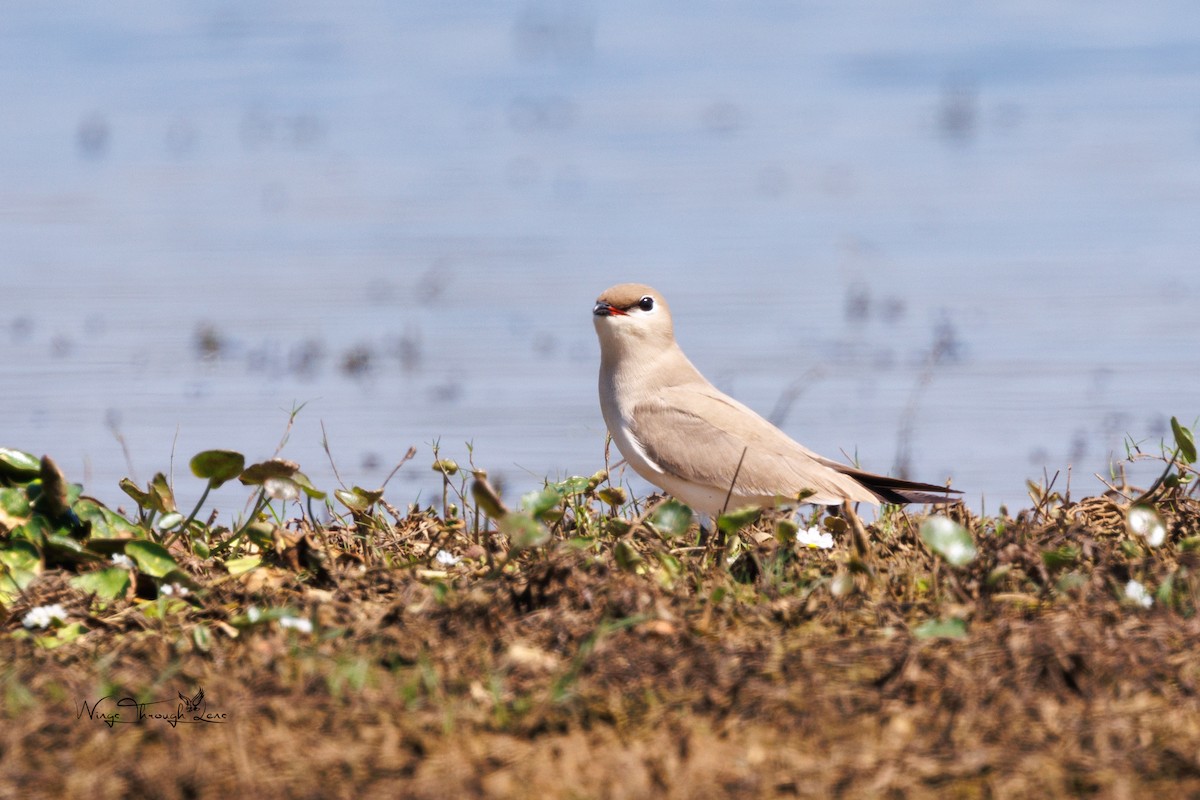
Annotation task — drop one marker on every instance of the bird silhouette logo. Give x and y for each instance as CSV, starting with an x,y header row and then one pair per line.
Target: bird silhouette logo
x,y
192,704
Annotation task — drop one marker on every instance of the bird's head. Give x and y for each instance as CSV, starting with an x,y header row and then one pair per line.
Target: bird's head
x,y
632,315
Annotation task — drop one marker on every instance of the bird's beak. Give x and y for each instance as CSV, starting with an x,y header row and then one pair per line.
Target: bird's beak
x,y
603,309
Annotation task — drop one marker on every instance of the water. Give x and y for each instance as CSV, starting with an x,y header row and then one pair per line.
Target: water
x,y
399,215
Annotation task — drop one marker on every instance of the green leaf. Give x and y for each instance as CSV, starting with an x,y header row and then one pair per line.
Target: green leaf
x,y
627,557
18,466
941,629
949,540
163,498
110,584
1064,556
237,566
1184,441
106,523
523,530
143,499
14,507
20,564
217,466
739,518
306,486
59,548
64,635
152,558
785,531
21,555
671,519
572,486
255,474
539,503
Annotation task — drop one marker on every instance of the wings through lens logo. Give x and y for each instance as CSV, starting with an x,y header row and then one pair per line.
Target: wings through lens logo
x,y
113,710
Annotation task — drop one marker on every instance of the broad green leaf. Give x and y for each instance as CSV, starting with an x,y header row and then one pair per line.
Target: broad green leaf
x,y
18,466
106,523
739,518
20,564
671,519
14,507
1144,521
357,498
110,584
255,474
949,540
236,566
306,486
941,629
351,499
64,635
152,558
217,466
523,531
540,502
35,530
1184,441
60,548
21,555
572,486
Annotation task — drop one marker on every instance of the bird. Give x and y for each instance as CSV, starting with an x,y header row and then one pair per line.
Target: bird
x,y
698,444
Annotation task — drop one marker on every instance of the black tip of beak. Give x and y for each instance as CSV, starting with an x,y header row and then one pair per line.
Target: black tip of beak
x,y
602,309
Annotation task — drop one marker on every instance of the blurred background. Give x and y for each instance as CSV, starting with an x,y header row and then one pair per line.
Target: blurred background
x,y
947,239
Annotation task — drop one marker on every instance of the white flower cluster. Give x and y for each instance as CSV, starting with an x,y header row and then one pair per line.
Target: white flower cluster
x,y
446,558
121,560
813,538
1138,594
173,589
44,616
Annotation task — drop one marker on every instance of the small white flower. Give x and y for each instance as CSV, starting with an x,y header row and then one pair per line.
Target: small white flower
x,y
170,589
44,616
814,538
253,614
1137,593
447,558
302,624
123,561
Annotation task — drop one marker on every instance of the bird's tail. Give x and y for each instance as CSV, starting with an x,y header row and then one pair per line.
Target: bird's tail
x,y
898,490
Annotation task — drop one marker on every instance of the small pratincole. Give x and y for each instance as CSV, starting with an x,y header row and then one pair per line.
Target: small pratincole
x,y
698,444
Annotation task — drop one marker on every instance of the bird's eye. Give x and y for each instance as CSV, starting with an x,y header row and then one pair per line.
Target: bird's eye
x,y
646,303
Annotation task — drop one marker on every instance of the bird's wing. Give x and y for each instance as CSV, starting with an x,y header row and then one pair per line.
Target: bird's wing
x,y
701,435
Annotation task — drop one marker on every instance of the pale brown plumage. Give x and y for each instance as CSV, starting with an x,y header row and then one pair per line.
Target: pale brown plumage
x,y
682,434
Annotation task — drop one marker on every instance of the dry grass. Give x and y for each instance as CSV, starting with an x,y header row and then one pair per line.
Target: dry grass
x,y
569,672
